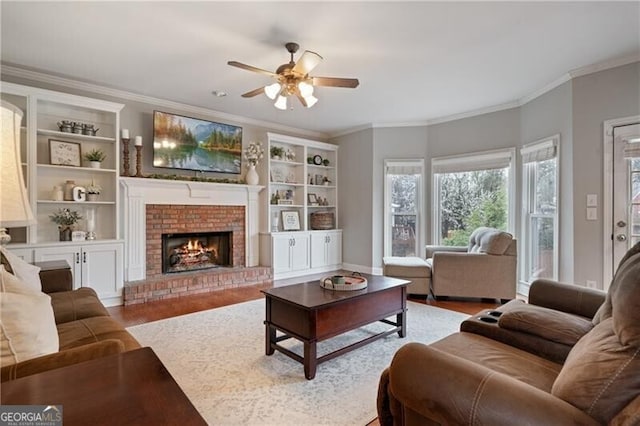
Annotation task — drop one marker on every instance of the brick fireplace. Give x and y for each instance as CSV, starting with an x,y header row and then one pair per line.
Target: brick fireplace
x,y
176,219
155,207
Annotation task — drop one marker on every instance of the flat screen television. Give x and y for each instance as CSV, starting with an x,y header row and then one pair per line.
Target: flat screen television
x,y
187,143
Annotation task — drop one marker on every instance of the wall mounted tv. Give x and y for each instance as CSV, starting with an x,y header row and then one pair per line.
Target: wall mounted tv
x,y
187,143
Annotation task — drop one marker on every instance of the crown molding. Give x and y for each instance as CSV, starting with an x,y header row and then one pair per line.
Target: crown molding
x,y
41,77
605,65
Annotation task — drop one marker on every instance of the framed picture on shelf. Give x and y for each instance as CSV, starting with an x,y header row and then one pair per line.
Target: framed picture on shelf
x,y
63,153
277,174
290,221
312,199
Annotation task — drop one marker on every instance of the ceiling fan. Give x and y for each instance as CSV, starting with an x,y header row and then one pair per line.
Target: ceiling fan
x,y
293,79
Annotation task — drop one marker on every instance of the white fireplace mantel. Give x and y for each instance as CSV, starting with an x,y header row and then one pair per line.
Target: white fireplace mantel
x,y
137,193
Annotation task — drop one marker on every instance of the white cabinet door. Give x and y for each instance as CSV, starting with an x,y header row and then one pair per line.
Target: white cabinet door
x,y
281,253
102,269
70,253
99,266
318,249
326,249
300,252
334,248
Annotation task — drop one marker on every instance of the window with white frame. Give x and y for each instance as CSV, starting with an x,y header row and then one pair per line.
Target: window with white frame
x,y
540,209
403,207
470,191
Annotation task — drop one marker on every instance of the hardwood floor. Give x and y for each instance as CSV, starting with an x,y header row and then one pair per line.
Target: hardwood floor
x,y
152,311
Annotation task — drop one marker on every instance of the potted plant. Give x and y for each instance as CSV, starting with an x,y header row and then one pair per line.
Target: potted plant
x,y
95,157
65,219
93,191
276,152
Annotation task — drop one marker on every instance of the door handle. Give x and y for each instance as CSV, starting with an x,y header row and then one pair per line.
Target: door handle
x,y
84,257
621,237
77,257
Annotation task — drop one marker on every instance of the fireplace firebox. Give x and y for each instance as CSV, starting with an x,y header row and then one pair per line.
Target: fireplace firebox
x,y
194,251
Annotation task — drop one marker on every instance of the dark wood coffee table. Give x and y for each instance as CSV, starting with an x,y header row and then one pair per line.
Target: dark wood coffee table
x,y
131,388
311,314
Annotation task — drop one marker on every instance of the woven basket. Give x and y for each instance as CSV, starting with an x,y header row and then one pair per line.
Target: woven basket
x,y
321,220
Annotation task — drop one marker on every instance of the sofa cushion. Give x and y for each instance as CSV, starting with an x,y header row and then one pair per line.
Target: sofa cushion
x,y
77,304
549,324
27,273
95,329
606,309
600,376
521,365
406,267
27,325
490,241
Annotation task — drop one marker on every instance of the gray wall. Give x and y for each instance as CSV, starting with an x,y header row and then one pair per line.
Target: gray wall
x,y
545,116
355,179
597,97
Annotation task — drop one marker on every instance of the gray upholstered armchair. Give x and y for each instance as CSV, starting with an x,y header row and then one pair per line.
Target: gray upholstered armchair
x,y
486,268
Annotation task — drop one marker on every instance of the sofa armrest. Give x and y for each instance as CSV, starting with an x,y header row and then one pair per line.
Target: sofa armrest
x,y
570,298
430,250
447,389
55,276
61,359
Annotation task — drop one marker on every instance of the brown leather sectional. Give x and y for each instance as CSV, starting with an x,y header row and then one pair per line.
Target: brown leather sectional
x,y
572,359
85,328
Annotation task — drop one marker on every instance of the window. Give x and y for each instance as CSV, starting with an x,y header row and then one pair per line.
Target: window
x,y
540,210
403,207
472,191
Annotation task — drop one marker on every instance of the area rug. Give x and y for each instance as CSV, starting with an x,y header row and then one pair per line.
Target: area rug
x,y
218,359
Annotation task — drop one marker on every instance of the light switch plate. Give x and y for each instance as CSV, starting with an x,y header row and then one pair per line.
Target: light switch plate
x,y
592,200
592,213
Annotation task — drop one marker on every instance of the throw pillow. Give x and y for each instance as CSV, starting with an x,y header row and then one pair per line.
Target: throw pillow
x,y
27,325
600,376
28,274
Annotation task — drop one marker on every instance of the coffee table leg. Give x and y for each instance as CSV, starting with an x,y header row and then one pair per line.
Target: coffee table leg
x,y
270,338
402,323
310,360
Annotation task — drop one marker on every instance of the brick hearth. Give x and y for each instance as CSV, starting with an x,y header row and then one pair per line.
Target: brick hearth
x,y
167,219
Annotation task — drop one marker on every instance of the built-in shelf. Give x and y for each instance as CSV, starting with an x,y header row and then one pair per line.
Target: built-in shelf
x,y
79,136
74,168
76,203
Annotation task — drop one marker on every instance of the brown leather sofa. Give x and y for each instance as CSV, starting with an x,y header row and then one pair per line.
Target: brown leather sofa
x,y
468,378
484,268
85,328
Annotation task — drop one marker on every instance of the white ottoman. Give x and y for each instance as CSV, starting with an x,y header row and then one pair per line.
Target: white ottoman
x,y
414,269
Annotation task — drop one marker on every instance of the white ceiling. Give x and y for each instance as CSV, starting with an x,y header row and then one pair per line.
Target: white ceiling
x,y
416,61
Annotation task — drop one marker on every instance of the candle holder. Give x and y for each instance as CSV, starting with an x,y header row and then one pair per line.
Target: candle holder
x,y
139,161
125,156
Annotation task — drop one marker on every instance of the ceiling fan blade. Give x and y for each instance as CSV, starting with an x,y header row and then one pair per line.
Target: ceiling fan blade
x,y
308,61
255,92
301,99
251,68
351,83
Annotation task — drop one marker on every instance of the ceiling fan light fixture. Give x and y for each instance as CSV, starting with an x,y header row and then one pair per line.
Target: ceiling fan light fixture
x,y
305,89
310,100
281,103
272,90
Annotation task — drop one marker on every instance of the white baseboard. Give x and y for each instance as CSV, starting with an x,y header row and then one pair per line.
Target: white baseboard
x,y
362,269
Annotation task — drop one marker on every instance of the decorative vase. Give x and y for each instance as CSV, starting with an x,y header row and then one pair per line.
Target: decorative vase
x,y
95,164
92,197
252,177
65,234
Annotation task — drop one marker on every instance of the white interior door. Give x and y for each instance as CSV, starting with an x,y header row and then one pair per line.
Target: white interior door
x,y
625,226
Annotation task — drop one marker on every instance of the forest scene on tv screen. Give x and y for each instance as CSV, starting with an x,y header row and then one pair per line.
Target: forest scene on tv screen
x,y
191,144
